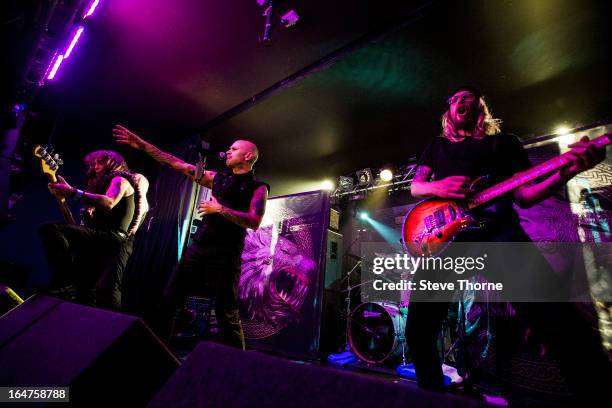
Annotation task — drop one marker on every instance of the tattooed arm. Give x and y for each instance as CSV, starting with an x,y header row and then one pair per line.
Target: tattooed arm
x,y
450,187
418,187
119,188
583,156
125,136
250,219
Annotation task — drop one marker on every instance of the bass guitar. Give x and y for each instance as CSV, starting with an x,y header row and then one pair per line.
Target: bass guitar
x,y
49,164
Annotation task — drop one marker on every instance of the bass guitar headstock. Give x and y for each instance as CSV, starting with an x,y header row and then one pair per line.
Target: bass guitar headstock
x,y
50,162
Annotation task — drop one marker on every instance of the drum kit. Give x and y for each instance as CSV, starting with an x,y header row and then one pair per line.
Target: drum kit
x,y
375,331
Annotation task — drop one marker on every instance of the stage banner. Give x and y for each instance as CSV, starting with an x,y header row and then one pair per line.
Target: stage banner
x,y
283,266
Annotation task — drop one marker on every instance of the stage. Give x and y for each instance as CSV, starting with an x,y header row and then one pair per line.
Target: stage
x,y
356,194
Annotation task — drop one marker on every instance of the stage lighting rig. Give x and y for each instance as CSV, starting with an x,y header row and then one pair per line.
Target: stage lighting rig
x,y
345,183
386,175
364,177
289,17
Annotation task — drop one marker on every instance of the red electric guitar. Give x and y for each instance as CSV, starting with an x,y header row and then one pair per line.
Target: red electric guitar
x,y
435,222
49,165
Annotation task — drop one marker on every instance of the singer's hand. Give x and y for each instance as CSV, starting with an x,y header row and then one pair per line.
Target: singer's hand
x,y
209,207
124,136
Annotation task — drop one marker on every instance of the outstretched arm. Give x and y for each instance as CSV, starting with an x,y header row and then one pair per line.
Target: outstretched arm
x,y
250,219
584,156
125,136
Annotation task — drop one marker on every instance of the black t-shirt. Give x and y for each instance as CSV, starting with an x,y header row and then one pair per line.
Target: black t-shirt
x,y
233,191
498,156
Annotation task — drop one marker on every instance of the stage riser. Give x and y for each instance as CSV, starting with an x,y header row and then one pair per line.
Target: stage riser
x,y
219,376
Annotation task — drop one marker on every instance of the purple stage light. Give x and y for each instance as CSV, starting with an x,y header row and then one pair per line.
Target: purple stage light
x,y
56,65
75,38
92,8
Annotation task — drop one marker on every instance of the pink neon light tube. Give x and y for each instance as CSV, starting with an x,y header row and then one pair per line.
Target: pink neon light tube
x,y
75,38
92,8
56,66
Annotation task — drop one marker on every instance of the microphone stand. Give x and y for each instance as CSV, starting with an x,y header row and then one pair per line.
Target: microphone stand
x,y
200,168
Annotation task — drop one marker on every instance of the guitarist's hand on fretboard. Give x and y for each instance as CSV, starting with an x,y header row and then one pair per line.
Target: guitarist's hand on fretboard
x,y
61,188
583,156
452,187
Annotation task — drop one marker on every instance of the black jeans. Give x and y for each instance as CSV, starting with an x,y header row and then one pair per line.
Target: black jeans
x,y
211,271
89,260
556,321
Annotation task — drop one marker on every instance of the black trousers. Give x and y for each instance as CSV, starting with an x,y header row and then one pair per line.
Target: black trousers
x,y
211,271
556,321
86,264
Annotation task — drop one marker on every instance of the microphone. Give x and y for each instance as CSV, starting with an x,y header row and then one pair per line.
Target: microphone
x,y
201,164
204,149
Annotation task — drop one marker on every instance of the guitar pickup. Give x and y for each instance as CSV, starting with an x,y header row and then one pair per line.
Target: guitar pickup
x,y
440,219
452,212
429,223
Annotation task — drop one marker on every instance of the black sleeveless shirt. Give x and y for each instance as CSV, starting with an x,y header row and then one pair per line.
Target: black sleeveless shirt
x,y
233,191
116,219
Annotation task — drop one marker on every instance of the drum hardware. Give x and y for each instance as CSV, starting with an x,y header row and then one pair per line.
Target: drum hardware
x,y
347,300
346,356
376,332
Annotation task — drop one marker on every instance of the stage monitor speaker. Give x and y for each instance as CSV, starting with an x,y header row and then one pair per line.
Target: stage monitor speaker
x,y
103,357
219,376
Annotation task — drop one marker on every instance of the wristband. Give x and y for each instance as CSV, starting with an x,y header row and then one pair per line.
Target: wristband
x,y
78,194
199,171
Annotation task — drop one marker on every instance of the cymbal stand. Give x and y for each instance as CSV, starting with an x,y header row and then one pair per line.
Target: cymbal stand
x,y
349,288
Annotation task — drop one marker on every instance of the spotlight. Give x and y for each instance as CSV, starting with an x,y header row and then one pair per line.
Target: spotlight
x,y
345,183
567,139
327,185
18,108
386,175
290,18
364,215
364,177
562,130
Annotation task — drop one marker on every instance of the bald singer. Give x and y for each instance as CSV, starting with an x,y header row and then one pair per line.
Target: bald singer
x,y
211,265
